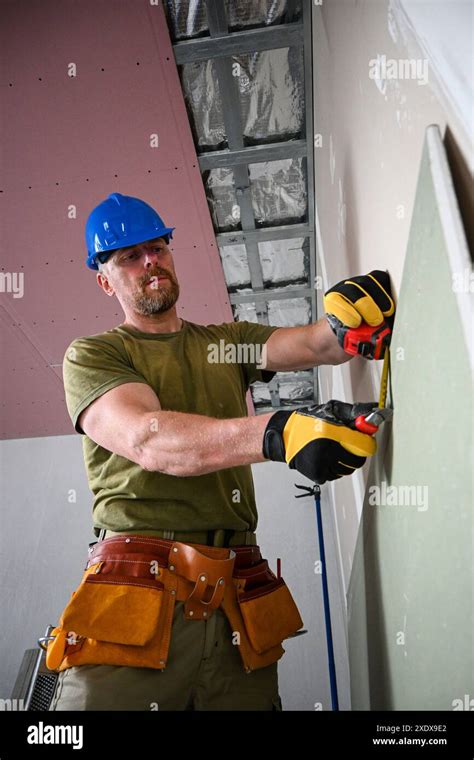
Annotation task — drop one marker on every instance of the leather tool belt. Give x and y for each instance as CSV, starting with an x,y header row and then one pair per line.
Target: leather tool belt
x,y
122,611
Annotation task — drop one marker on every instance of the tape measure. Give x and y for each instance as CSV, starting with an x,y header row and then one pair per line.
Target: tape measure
x,y
384,379
370,423
365,340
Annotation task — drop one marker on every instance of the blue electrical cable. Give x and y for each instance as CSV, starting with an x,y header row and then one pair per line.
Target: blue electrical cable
x,y
316,492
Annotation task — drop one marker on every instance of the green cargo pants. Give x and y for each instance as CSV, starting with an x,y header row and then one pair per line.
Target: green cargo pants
x,y
204,672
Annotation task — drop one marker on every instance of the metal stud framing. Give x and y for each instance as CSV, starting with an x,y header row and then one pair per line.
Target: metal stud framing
x,y
221,46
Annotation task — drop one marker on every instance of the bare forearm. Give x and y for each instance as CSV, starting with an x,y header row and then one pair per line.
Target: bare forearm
x,y
294,348
191,444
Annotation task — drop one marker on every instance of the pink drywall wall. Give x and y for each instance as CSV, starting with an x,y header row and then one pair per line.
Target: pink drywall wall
x,y
69,142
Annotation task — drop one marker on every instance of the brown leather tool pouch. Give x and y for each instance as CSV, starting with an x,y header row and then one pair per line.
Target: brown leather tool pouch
x,y
122,611
263,613
120,614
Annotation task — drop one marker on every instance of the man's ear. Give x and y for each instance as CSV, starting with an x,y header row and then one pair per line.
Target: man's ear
x,y
103,283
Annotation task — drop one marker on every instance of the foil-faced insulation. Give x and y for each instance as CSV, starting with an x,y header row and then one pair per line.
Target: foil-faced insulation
x,y
278,191
294,389
271,98
203,103
283,262
219,185
271,95
282,312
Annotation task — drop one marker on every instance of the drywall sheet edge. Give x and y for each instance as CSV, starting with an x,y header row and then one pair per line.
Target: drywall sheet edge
x,y
410,598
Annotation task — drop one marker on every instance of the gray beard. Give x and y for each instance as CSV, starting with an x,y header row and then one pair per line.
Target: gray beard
x,y
157,303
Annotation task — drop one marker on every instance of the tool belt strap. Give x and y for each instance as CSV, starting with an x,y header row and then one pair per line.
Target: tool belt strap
x,y
220,537
202,572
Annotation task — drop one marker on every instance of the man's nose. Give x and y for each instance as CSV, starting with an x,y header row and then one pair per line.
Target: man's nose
x,y
150,258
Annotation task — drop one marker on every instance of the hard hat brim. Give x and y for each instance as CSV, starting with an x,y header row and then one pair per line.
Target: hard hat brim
x,y
102,256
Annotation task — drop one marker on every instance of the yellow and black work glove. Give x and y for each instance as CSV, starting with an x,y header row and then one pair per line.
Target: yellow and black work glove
x,y
320,441
360,311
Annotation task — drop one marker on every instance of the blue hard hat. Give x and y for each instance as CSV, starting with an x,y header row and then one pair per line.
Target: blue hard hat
x,y
118,222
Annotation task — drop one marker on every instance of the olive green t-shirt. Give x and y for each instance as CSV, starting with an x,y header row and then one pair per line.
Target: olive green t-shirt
x,y
200,370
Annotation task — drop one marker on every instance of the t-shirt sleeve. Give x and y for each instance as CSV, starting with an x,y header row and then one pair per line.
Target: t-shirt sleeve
x,y
91,367
254,336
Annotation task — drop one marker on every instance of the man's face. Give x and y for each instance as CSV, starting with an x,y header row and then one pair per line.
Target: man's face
x,y
142,277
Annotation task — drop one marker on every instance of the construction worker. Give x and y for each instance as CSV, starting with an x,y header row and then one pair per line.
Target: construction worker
x,y
168,446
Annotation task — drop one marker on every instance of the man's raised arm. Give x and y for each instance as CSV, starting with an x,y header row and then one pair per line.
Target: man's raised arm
x,y
293,348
